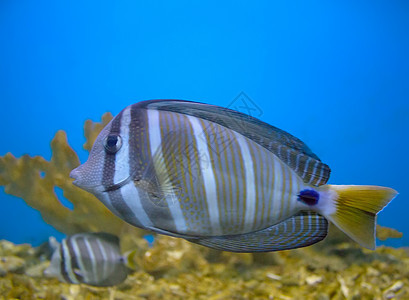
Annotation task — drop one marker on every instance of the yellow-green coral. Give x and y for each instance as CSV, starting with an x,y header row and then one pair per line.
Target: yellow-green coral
x,y
92,129
34,180
384,233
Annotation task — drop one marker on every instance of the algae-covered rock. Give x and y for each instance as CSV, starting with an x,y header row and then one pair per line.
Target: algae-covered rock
x,y
11,264
37,270
176,269
173,255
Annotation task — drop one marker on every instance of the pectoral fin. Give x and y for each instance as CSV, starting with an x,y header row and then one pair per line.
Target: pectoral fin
x,y
170,164
79,273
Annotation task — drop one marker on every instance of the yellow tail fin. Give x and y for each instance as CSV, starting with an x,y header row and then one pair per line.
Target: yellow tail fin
x,y
355,209
130,259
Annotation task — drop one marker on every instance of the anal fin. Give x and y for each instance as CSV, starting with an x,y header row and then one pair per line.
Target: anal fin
x,y
301,230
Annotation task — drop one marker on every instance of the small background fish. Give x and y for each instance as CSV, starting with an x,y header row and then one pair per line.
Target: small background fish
x,y
91,258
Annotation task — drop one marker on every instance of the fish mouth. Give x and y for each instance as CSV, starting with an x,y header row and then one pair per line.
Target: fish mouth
x,y
88,188
81,183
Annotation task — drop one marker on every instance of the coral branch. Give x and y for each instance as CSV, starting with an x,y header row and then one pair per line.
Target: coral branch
x,y
34,180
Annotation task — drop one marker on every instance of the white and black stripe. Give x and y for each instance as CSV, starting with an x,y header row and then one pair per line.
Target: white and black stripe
x,y
121,167
90,258
155,141
207,175
249,198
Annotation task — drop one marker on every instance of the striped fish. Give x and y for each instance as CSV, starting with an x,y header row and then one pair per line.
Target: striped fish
x,y
222,179
91,258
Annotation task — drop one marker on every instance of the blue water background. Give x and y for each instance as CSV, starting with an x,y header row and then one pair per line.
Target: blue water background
x,y
333,73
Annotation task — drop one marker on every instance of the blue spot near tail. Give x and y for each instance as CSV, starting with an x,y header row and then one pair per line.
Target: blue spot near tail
x,y
309,197
150,239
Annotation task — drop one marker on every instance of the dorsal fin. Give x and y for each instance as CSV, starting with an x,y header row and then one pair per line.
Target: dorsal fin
x,y
301,230
107,237
53,243
110,238
288,148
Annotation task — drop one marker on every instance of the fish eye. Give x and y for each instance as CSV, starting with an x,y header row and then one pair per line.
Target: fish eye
x,y
112,143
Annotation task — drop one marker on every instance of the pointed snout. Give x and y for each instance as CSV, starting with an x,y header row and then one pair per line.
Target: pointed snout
x,y
88,176
85,178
